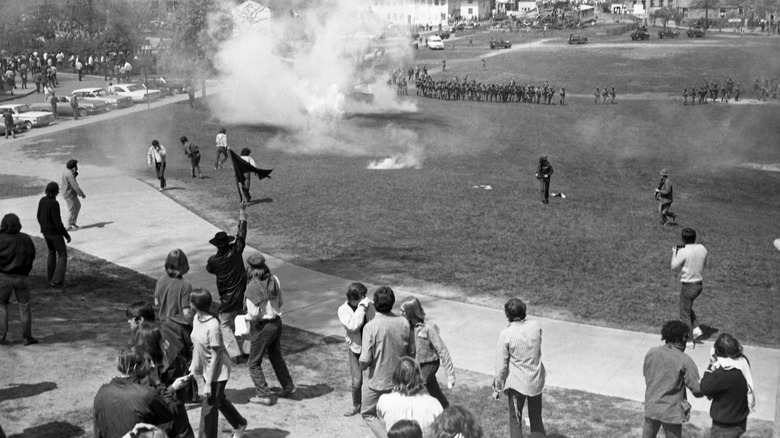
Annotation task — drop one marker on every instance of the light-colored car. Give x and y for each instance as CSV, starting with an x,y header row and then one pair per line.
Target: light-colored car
x,y
114,100
137,92
23,112
435,43
86,106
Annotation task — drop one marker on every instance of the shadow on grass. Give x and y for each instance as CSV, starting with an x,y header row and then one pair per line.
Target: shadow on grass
x,y
261,201
55,429
22,390
69,336
266,433
707,332
96,225
306,392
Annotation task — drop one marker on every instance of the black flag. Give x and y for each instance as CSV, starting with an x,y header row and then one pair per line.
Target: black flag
x,y
241,167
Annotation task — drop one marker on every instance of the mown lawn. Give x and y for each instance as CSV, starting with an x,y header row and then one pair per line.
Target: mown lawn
x,y
598,256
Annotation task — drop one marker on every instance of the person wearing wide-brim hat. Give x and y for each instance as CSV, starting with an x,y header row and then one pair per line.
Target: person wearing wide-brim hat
x,y
264,315
228,266
664,195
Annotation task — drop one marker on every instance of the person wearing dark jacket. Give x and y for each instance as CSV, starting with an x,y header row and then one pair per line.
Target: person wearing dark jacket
x,y
125,401
543,173
228,266
17,253
729,384
55,235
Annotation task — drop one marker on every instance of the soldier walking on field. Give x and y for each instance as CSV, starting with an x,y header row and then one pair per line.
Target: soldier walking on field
x,y
543,173
597,93
664,195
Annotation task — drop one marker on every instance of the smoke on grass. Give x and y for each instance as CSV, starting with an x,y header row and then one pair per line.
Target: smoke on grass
x,y
302,73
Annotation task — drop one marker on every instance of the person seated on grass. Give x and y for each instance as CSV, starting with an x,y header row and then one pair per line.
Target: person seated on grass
x,y
405,429
456,421
126,401
408,401
169,375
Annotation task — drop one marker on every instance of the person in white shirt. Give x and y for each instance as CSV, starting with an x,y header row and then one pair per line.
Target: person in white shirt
x,y
222,148
690,258
353,314
156,156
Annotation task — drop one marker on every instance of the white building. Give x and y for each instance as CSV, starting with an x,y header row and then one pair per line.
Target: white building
x,y
402,12
473,9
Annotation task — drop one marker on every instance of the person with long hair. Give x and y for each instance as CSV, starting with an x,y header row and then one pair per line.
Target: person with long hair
x,y
169,374
126,400
264,313
728,382
211,363
456,421
408,401
405,429
431,351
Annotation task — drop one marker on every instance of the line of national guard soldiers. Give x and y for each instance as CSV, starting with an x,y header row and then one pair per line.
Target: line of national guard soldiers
x,y
456,89
711,90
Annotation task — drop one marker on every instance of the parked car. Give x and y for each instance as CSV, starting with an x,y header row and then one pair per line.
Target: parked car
x,y
640,34
435,43
668,33
137,92
696,32
444,34
577,39
173,86
98,93
31,119
500,44
86,106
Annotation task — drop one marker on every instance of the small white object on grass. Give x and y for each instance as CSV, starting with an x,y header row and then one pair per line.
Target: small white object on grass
x,y
777,243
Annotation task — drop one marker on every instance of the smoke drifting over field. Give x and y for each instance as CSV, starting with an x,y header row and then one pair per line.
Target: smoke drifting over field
x,y
300,73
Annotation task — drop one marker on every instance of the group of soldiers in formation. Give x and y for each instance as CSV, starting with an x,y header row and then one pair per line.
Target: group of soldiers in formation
x,y
456,89
711,90
604,94
764,88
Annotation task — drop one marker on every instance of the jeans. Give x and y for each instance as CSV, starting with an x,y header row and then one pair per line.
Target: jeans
x,y
212,406
728,431
516,402
544,184
429,370
195,164
688,293
9,130
356,373
57,259
651,427
220,152
74,207
159,168
663,210
368,410
266,335
226,324
20,286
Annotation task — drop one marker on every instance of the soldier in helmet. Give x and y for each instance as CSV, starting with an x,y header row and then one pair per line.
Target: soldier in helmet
x,y
543,173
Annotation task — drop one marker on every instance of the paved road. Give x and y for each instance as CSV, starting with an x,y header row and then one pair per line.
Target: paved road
x,y
133,225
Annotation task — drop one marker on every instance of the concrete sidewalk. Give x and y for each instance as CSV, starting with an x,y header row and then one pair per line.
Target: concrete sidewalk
x,y
130,223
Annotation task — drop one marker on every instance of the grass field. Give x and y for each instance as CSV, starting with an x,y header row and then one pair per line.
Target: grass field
x,y
599,255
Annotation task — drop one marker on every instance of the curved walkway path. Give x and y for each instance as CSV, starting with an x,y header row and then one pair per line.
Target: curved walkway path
x,y
131,224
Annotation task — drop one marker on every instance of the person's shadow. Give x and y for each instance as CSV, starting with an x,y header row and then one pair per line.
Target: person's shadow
x,y
59,429
21,390
96,225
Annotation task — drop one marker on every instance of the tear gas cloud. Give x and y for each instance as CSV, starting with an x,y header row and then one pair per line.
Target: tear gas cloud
x,y
298,72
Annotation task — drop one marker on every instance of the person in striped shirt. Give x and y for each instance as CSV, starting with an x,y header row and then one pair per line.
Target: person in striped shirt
x,y
519,370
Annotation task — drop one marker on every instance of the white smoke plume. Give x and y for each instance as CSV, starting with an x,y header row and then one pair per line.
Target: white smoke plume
x,y
410,154
288,70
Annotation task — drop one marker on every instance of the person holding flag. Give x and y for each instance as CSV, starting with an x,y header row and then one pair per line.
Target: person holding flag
x,y
244,167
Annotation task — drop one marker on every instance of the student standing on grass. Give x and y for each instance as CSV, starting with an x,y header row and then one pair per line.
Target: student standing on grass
x,y
222,148
353,314
157,156
668,371
728,382
520,372
17,253
386,339
55,235
192,151
690,259
408,401
71,191
664,194
430,349
212,364
543,173
245,152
